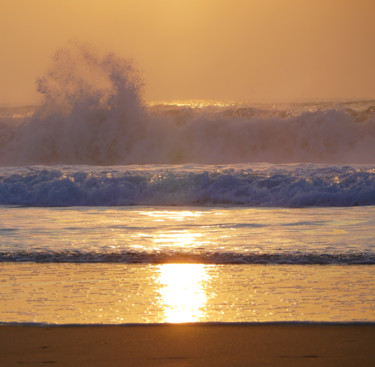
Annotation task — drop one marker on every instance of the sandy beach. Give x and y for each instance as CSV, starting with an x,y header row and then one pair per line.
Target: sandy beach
x,y
189,345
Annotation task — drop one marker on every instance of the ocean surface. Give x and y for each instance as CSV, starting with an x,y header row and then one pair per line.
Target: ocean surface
x,y
113,210
189,242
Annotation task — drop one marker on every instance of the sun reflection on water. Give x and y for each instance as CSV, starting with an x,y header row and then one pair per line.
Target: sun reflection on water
x,y
178,238
182,287
183,292
175,215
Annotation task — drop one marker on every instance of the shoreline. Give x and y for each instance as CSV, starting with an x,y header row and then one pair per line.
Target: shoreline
x,y
194,323
197,344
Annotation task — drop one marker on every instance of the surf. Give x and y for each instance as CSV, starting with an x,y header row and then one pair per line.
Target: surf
x,y
93,113
250,185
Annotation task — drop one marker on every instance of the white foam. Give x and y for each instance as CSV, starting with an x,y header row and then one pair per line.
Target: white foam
x,y
249,185
93,113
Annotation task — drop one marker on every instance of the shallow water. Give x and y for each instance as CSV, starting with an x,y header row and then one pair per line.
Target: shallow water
x,y
169,264
123,293
201,235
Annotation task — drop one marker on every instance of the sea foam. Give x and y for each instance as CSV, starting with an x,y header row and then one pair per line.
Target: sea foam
x,y
93,113
292,185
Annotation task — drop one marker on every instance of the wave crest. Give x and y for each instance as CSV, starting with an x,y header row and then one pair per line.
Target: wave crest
x,y
93,113
90,102
132,257
283,186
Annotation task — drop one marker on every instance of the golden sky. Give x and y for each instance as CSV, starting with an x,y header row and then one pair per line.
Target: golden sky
x,y
231,50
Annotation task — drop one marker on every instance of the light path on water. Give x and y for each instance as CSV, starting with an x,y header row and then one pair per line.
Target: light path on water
x,y
123,293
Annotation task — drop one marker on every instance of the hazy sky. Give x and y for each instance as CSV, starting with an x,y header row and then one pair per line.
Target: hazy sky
x,y
241,50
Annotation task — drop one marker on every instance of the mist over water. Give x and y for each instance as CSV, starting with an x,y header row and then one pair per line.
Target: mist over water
x,y
93,113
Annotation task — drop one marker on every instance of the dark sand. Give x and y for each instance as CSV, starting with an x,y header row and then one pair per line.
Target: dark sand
x,y
189,345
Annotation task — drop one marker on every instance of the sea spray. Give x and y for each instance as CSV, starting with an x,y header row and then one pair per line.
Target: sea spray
x,y
90,103
93,113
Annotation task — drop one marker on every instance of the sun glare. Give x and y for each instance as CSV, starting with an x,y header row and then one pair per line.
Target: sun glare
x,y
183,292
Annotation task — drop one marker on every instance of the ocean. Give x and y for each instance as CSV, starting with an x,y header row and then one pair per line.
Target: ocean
x,y
117,211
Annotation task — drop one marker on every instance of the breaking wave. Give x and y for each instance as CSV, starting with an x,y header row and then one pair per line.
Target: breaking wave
x,y
132,257
93,113
299,185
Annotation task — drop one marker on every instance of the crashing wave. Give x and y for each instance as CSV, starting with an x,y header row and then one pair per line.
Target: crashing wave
x,y
93,113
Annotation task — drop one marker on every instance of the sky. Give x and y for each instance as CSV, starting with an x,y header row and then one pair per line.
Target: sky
x,y
225,50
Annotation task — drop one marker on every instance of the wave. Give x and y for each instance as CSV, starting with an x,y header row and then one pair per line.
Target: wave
x,y
93,113
133,257
300,185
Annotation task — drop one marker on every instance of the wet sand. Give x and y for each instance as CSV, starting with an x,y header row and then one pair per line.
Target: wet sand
x,y
189,345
